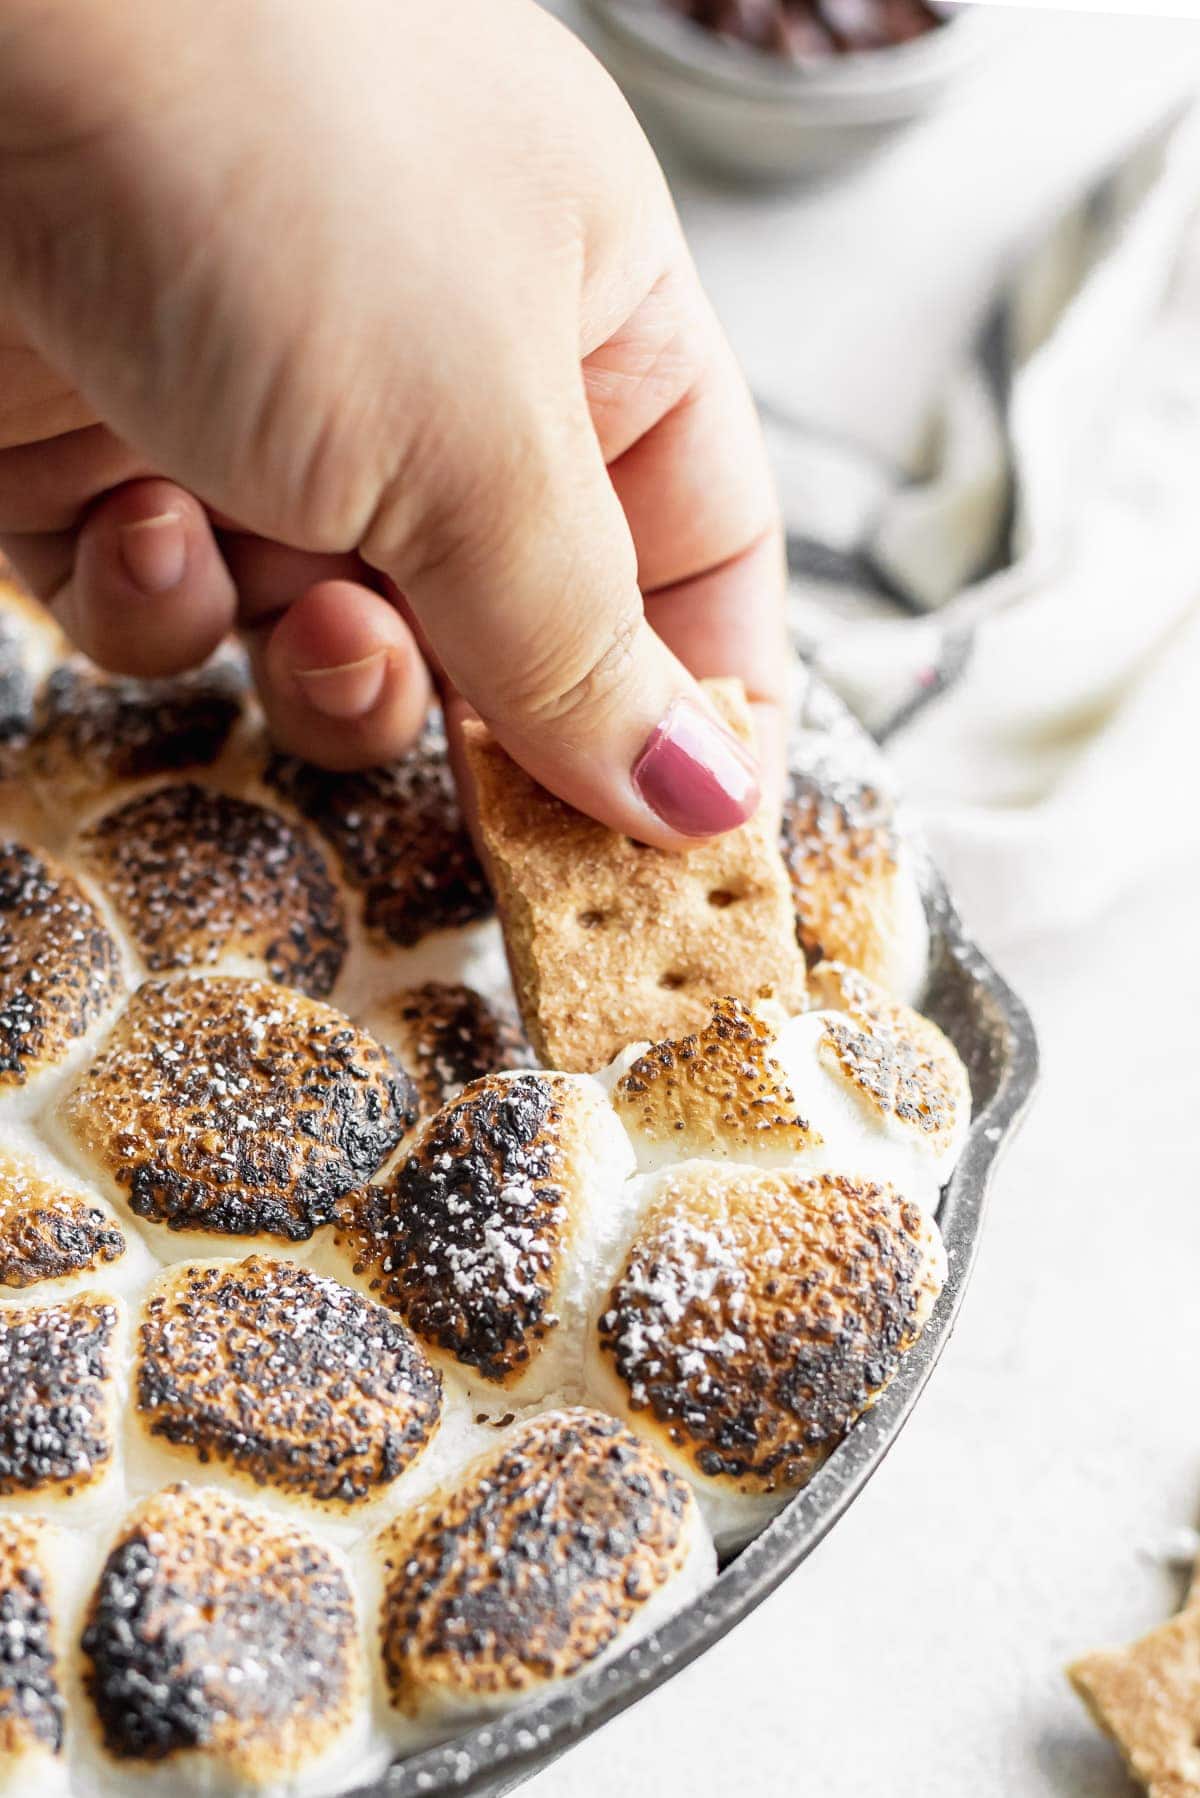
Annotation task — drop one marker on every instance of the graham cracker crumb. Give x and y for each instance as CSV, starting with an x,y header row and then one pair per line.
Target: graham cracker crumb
x,y
1147,1698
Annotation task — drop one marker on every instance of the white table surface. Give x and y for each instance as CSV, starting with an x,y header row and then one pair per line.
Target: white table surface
x,y
920,1649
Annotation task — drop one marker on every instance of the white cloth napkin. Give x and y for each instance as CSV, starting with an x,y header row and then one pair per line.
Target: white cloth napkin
x,y
1057,771
1015,605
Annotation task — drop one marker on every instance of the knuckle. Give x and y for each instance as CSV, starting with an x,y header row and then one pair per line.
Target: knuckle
x,y
580,674
453,507
316,473
308,435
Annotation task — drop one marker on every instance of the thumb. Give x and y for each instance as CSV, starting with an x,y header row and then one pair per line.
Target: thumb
x,y
533,610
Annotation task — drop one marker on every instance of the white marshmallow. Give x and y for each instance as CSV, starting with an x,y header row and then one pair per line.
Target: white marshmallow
x,y
565,1543
752,1318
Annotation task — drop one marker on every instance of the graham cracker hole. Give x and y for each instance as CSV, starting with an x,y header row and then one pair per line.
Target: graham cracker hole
x,y
591,920
672,980
723,896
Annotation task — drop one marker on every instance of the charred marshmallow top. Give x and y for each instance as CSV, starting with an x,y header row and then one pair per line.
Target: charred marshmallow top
x,y
233,1107
540,1560
222,1635
197,877
301,1385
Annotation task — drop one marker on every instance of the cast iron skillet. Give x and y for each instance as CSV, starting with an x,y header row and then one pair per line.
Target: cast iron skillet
x,y
992,1031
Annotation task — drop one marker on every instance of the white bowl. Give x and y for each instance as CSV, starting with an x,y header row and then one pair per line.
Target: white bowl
x,y
758,117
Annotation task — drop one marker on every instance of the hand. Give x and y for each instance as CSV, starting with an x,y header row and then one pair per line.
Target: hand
x,y
369,328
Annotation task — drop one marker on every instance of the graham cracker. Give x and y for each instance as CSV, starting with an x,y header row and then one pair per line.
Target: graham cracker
x,y
1147,1698
611,942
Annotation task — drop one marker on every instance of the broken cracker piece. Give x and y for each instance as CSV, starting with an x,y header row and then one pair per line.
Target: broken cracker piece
x,y
612,942
1147,1698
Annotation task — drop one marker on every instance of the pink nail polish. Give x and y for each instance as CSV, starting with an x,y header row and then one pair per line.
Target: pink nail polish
x,y
154,552
695,775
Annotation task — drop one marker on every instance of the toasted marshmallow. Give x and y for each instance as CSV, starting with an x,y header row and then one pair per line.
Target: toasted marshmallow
x,y
62,1383
853,875
883,1087
221,1654
96,734
399,835
34,1558
560,1547
199,879
753,1316
718,1093
57,1235
486,1236
285,1381
446,1035
228,1113
60,973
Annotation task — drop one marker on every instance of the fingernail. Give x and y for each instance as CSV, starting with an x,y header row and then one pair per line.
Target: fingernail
x,y
347,691
695,775
154,552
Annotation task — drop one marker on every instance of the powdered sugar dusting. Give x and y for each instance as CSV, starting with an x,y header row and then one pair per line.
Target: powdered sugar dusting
x,y
232,1106
197,876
